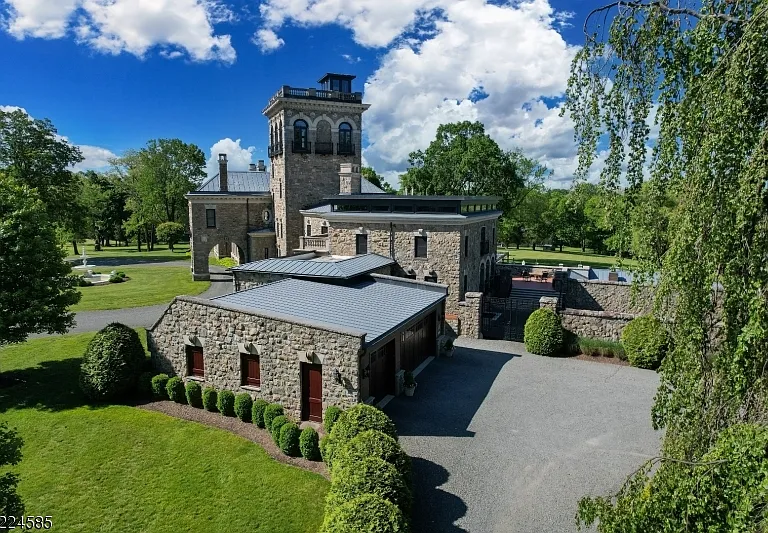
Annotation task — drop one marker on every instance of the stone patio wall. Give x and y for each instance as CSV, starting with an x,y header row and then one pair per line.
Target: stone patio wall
x,y
603,325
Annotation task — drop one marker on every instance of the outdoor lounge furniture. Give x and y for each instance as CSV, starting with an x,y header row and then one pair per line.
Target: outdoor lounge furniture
x,y
526,275
544,276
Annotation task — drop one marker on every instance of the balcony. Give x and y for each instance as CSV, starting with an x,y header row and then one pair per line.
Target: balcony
x,y
275,149
304,147
287,91
324,148
315,242
345,149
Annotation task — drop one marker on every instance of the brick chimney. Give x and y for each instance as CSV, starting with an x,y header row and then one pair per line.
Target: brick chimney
x,y
349,179
223,181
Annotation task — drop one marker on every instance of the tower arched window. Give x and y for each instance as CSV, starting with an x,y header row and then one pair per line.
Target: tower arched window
x,y
345,137
300,135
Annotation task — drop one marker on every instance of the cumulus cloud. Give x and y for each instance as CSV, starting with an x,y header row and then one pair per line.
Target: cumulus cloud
x,y
12,108
96,158
132,26
239,157
267,40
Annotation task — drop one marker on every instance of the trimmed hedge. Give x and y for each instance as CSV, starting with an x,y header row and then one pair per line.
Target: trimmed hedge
x,y
226,403
194,394
257,412
326,450
158,385
270,412
175,390
144,386
308,444
361,418
243,405
289,439
374,443
543,333
366,513
278,422
210,399
369,476
112,363
330,417
646,342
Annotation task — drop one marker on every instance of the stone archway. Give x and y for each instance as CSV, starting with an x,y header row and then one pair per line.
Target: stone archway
x,y
201,252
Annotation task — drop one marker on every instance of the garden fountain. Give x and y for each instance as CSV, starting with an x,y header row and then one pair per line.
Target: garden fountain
x,y
85,264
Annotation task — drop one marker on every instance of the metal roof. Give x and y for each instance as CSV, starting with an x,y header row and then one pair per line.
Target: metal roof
x,y
238,182
366,187
373,305
323,267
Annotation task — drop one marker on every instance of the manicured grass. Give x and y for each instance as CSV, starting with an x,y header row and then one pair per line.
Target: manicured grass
x,y
161,252
118,469
149,285
568,257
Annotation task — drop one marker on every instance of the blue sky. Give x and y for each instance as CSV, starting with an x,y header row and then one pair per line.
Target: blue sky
x,y
112,74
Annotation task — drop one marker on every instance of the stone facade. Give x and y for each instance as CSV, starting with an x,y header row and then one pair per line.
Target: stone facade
x,y
282,346
612,296
470,315
595,324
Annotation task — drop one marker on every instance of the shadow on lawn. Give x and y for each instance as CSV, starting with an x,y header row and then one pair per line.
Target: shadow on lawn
x,y
50,386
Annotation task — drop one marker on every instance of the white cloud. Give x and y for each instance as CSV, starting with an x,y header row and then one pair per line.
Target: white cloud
x,y
12,108
239,158
351,59
267,40
132,26
96,158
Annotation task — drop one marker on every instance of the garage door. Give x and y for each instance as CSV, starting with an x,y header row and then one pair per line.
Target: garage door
x,y
418,343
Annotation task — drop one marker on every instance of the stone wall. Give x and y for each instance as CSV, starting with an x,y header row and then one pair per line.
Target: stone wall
x,y
282,346
470,315
612,296
248,280
315,225
595,324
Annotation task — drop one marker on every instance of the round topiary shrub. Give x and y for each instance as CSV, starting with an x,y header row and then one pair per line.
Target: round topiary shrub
x,y
210,399
330,417
270,412
194,394
369,476
309,444
112,363
278,422
226,403
645,342
326,450
158,385
144,386
543,333
361,418
175,389
289,439
243,404
374,443
257,412
368,512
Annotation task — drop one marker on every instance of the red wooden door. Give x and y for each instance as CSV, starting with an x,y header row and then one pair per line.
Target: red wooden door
x,y
312,392
195,365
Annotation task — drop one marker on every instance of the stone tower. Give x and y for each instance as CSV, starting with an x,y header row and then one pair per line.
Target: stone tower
x,y
312,132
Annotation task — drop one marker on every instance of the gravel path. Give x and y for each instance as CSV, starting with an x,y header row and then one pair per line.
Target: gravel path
x,y
505,441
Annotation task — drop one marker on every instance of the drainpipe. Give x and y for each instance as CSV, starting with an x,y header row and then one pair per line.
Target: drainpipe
x,y
247,227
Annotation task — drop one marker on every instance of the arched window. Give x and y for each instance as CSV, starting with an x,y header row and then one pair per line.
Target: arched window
x,y
300,135
345,139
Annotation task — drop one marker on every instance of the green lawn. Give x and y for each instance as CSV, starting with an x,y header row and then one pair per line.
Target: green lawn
x,y
161,252
568,257
149,285
122,469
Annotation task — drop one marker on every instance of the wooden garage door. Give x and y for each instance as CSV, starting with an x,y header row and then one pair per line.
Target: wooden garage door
x,y
418,343
382,376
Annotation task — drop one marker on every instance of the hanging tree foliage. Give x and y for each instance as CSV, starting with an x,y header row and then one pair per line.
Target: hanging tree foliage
x,y
699,70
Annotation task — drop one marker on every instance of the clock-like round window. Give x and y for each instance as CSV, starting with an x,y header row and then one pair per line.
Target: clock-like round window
x,y
266,215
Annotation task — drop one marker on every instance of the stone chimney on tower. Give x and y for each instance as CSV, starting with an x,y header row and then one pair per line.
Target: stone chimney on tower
x,y
260,166
223,181
349,179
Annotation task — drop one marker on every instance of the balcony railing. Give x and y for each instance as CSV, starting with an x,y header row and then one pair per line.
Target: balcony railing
x,y
275,149
315,242
287,91
324,148
345,149
304,147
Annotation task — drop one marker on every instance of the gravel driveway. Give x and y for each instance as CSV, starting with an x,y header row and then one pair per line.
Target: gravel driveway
x,y
505,441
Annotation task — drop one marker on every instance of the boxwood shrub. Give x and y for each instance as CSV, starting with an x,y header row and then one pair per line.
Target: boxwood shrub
x,y
645,341
330,417
326,450
368,512
373,443
361,418
257,412
210,399
194,394
270,412
175,389
543,333
308,444
243,404
369,476
226,403
289,438
158,385
112,363
278,422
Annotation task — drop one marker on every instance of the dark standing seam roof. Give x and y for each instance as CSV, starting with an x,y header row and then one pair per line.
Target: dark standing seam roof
x,y
238,182
366,187
370,305
342,269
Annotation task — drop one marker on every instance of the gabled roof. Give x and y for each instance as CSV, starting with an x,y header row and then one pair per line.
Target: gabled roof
x,y
366,187
321,267
237,182
373,305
